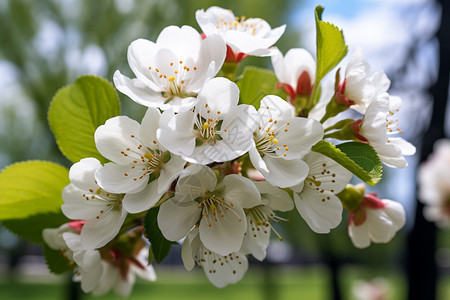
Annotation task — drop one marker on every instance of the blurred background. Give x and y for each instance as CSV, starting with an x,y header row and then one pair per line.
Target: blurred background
x,y
45,45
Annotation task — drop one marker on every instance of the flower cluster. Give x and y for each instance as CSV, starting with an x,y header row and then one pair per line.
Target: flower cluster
x,y
220,168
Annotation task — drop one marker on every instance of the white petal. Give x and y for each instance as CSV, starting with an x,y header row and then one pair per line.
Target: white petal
x,y
116,136
234,267
257,160
184,41
140,57
359,235
149,125
321,211
256,240
381,228
176,217
188,250
277,199
119,179
223,234
220,94
240,190
405,147
96,233
143,200
195,180
170,172
284,173
274,107
176,132
81,174
297,61
91,278
77,207
396,213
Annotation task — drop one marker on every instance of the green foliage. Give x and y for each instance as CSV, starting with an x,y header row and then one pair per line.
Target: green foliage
x,y
331,47
75,113
30,188
31,228
160,247
359,158
257,83
55,261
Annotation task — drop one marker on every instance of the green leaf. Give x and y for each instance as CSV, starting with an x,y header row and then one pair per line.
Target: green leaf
x,y
160,245
55,261
31,228
331,47
257,83
359,158
30,188
77,110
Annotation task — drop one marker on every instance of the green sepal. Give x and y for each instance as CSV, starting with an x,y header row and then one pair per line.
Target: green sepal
x,y
352,196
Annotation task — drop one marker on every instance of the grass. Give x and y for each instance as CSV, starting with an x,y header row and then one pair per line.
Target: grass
x,y
173,283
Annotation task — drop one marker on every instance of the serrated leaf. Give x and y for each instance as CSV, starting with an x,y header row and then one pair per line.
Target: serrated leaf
x,y
331,47
31,228
55,261
75,113
160,245
359,158
30,188
257,83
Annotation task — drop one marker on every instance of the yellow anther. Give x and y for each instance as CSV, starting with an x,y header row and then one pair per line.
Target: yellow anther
x,y
171,78
148,156
275,141
212,206
205,125
98,191
271,138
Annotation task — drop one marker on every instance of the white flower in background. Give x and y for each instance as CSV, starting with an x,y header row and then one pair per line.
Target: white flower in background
x,y
434,184
352,91
315,198
140,166
250,36
218,209
280,141
85,200
122,275
257,237
221,270
216,130
378,125
376,220
375,289
66,239
171,71
295,71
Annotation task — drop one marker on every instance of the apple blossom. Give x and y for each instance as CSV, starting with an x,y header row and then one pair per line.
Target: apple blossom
x,y
140,166
221,270
216,130
85,200
280,141
434,184
243,36
376,220
171,71
217,208
315,198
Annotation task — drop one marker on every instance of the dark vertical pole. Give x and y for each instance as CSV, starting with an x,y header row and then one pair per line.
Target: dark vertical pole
x,y
421,266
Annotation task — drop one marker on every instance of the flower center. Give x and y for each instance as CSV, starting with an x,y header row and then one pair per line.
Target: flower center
x,y
392,124
108,201
214,208
208,127
319,174
174,80
250,25
260,218
266,137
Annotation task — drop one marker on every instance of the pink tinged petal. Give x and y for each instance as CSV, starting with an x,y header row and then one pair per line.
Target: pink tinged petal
x,y
185,42
148,128
276,198
321,211
297,61
256,239
240,190
299,136
96,233
140,57
77,207
143,200
227,269
217,95
170,172
81,174
122,179
223,233
332,176
176,132
284,173
177,216
359,235
118,141
138,91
